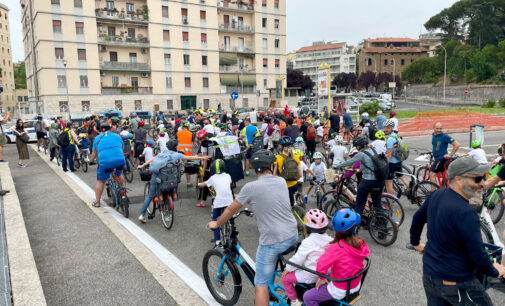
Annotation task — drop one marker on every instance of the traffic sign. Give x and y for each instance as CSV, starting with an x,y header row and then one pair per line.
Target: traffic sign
x,y
466,90
234,95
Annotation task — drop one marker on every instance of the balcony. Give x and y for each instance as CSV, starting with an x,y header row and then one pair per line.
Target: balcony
x,y
107,16
235,69
236,28
120,41
126,90
244,50
239,6
125,67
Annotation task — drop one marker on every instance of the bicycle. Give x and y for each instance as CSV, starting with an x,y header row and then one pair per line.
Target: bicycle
x,y
494,201
118,196
318,190
163,201
417,191
128,168
57,155
45,144
423,173
80,159
487,228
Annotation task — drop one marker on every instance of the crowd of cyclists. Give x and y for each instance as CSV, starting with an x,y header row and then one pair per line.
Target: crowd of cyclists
x,y
284,149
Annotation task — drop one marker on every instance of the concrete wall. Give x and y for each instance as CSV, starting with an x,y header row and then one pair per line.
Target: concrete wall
x,y
455,95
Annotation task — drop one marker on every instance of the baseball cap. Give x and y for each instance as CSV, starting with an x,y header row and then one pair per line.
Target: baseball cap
x,y
464,165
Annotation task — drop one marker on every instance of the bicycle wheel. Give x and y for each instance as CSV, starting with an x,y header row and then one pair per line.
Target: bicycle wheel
x,y
406,169
167,213
299,200
221,277
422,190
486,234
393,209
57,154
123,203
150,208
299,214
327,196
77,162
84,166
494,204
382,229
423,174
128,172
152,132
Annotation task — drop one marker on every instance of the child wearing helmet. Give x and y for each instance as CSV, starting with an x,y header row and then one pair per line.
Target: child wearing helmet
x,y
84,146
147,154
338,153
221,182
317,167
161,142
308,253
379,144
477,153
344,257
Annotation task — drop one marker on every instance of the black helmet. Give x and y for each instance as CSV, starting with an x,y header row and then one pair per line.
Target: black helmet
x,y
172,144
262,160
285,141
360,141
217,167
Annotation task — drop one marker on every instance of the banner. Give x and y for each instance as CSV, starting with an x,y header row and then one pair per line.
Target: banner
x,y
323,81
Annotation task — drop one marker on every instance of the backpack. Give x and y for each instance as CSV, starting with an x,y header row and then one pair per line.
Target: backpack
x,y
371,131
256,144
162,160
110,155
169,178
289,170
402,151
64,138
311,133
381,165
270,129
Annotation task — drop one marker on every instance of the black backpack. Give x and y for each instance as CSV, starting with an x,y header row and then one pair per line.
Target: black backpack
x,y
381,165
64,138
371,131
257,144
169,176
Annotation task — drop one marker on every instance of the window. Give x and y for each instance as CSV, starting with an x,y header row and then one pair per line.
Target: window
x,y
62,81
79,28
277,63
203,15
276,23
265,62
168,82
369,62
205,82
55,2
59,53
109,5
84,81
138,104
167,58
265,43
170,104
118,104
403,61
187,82
26,98
115,81
186,59
133,57
131,32
56,26
20,98
130,8
204,60
185,36
392,61
81,54
164,11
111,31
385,62
166,35
85,105
264,22
277,42
204,37
276,3
184,13
206,103
77,3
113,56
264,3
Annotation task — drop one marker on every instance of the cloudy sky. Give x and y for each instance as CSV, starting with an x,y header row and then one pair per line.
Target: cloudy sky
x,y
313,20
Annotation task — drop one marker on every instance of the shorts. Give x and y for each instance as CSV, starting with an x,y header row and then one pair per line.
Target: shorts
x,y
347,130
266,260
438,165
40,135
139,148
396,167
103,175
314,183
3,140
248,154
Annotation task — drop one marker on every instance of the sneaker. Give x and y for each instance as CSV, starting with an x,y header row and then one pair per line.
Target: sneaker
x,y
142,219
201,205
305,199
296,303
247,173
4,192
22,165
3,162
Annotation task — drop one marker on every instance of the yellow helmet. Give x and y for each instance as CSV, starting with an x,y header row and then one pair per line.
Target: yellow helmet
x,y
298,152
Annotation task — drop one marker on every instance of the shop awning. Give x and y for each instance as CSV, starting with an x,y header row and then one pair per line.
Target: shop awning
x,y
229,79
227,58
248,80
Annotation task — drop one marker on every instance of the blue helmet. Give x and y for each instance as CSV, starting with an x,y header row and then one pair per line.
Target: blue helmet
x,y
130,136
299,139
150,143
346,221
285,141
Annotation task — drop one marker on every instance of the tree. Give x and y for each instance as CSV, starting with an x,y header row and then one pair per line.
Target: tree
x,y
345,80
482,67
296,78
20,77
383,78
415,72
366,79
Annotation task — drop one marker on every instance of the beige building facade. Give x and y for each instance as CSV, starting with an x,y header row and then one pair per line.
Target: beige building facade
x,y
91,56
7,100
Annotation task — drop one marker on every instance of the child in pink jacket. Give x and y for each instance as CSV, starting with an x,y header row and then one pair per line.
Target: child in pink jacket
x,y
344,257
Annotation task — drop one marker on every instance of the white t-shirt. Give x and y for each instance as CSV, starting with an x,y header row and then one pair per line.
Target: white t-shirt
x,y
339,153
317,122
320,131
331,143
379,146
304,168
148,153
254,117
209,128
162,143
160,126
221,184
318,170
395,128
479,155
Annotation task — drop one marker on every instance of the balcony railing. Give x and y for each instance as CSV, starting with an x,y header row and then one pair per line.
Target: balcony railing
x,y
125,90
244,50
121,17
235,69
125,66
242,6
234,27
123,41
240,89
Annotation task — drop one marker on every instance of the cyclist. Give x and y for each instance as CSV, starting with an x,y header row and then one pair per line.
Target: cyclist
x,y
317,167
108,147
53,140
308,253
395,164
286,171
248,133
392,117
347,124
379,144
369,183
334,122
148,152
67,152
292,130
477,153
440,142
268,197
380,119
344,257
139,138
339,153
185,138
114,122
499,178
454,251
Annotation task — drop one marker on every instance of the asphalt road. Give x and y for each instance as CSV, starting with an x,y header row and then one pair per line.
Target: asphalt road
x,y
395,276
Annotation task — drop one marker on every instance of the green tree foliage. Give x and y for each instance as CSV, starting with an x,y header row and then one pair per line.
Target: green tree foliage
x,y
20,77
482,67
416,71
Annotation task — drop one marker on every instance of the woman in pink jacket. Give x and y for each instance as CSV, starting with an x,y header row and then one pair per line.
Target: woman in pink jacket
x,y
344,257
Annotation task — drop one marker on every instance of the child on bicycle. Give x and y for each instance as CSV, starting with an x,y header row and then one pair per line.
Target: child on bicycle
x,y
147,154
318,168
344,257
477,153
338,153
221,182
84,147
307,254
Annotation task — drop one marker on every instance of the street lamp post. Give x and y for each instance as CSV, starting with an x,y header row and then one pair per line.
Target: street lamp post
x,y
445,68
66,86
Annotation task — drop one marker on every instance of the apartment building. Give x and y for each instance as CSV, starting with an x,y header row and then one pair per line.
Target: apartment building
x,y
7,100
389,55
431,41
90,56
341,58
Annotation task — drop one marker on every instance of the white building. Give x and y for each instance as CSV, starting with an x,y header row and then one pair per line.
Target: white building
x,y
341,58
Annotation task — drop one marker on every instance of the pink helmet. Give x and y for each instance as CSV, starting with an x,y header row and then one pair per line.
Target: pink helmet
x,y
315,219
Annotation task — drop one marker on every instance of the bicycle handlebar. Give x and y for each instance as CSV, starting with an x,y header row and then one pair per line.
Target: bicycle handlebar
x,y
246,211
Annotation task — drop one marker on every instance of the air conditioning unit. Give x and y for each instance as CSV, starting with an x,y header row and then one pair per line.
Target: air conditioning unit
x,y
103,48
184,21
202,1
144,50
144,75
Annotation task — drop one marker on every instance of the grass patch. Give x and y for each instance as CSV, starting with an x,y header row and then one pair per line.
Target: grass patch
x,y
411,114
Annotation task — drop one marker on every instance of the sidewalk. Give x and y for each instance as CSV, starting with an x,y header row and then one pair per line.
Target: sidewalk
x,y
79,260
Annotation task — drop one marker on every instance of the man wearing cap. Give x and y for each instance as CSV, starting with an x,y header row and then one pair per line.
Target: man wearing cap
x,y
454,251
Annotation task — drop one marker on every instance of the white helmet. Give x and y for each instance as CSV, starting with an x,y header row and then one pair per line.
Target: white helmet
x,y
339,139
353,150
364,115
318,155
389,122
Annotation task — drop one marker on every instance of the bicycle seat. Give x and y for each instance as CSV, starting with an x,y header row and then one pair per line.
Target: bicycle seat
x,y
289,250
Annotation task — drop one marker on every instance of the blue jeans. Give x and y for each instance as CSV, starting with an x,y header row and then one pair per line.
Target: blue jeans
x,y
441,293
216,213
366,187
67,153
266,259
150,195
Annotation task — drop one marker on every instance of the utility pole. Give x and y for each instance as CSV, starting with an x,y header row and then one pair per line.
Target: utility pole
x,y
66,85
445,68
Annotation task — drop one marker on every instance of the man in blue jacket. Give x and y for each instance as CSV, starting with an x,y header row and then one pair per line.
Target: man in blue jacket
x,y
454,251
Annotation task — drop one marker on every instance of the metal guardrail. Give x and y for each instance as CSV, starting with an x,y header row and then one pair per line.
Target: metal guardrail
x,y
127,90
236,49
125,66
238,6
118,16
235,69
126,42
233,27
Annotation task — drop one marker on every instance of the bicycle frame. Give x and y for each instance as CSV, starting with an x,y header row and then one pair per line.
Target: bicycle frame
x,y
485,219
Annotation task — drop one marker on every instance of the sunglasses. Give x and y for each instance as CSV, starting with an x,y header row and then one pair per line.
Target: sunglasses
x,y
476,179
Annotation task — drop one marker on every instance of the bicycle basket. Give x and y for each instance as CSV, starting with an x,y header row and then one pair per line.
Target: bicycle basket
x,y
145,175
191,167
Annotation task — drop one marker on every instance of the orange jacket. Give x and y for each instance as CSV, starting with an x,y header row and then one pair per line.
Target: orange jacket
x,y
185,142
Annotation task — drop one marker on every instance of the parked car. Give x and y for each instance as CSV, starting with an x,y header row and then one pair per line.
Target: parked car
x,y
29,127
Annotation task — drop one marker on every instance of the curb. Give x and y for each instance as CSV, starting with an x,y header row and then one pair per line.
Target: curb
x,y
25,281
